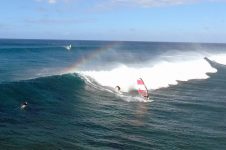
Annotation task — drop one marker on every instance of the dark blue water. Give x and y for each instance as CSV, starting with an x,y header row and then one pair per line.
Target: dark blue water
x,y
66,111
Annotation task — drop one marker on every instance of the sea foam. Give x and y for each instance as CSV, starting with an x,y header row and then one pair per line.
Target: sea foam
x,y
158,75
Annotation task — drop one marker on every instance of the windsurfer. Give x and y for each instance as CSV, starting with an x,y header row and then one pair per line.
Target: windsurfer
x,y
142,89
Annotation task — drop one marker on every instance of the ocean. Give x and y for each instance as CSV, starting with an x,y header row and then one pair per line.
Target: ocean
x,y
72,103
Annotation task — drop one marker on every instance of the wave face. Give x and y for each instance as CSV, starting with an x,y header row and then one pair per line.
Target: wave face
x,y
72,103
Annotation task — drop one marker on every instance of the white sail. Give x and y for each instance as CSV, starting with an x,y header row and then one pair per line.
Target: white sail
x,y
68,47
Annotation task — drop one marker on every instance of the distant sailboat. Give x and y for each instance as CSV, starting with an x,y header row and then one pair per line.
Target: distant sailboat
x,y
68,47
142,89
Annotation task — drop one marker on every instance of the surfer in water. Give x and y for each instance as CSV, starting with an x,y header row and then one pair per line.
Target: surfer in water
x,y
24,105
117,88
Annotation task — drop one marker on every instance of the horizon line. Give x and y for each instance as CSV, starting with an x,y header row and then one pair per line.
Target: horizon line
x,y
45,39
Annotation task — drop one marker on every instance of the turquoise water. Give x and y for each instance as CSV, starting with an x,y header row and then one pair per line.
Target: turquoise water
x,y
70,108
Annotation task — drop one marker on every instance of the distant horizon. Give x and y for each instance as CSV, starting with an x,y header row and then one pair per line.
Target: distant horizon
x,y
113,40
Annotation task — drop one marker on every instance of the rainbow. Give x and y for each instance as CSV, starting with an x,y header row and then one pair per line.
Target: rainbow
x,y
91,56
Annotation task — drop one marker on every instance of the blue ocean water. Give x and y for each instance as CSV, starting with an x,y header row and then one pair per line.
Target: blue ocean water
x,y
72,103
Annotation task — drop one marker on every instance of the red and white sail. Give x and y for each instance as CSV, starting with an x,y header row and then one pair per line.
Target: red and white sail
x,y
142,89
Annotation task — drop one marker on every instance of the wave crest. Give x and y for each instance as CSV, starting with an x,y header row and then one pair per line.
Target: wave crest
x,y
159,75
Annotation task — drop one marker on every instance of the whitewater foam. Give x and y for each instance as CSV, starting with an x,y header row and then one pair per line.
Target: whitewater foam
x,y
159,75
219,58
135,99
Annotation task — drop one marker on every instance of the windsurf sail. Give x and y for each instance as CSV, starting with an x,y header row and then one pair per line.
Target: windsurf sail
x,y
142,89
68,47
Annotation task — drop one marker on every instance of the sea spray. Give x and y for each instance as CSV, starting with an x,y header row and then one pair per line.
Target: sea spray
x,y
155,76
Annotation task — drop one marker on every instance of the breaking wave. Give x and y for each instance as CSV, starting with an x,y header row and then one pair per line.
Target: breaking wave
x,y
165,71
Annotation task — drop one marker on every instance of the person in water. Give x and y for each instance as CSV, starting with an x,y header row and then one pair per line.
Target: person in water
x,y
23,105
117,88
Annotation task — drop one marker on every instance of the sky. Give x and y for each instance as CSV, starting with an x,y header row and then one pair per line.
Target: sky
x,y
120,20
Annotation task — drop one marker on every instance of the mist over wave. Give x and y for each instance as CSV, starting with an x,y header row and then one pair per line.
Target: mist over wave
x,y
110,63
